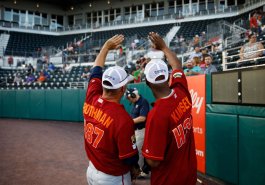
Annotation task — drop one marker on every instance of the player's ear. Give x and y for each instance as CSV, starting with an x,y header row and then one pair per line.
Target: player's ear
x,y
123,89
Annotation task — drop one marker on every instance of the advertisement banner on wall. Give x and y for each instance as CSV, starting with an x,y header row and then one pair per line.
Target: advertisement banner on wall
x,y
197,88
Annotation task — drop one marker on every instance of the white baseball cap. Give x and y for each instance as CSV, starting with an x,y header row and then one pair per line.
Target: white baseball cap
x,y
116,76
154,69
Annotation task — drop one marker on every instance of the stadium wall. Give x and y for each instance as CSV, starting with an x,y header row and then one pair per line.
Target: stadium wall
x,y
235,139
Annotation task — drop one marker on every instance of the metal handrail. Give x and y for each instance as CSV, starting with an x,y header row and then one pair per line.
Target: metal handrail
x,y
225,63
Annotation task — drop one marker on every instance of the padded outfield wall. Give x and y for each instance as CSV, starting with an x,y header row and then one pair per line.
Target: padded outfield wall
x,y
235,134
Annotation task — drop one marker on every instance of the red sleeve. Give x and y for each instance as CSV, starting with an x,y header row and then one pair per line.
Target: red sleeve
x,y
156,137
126,139
177,77
94,88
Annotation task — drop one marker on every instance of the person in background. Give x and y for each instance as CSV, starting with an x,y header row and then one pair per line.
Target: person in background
x,y
189,67
196,53
202,64
193,67
86,74
137,74
17,78
253,23
41,78
210,68
196,61
30,69
10,61
139,113
51,67
46,74
30,79
247,51
66,68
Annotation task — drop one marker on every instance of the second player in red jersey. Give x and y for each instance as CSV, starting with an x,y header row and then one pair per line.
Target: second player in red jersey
x,y
169,146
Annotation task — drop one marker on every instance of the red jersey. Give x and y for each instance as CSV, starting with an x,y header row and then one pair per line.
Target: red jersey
x,y
169,136
108,132
253,22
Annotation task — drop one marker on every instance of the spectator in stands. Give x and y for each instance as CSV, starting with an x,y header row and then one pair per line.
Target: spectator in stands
x,y
51,67
195,43
203,39
10,61
137,74
259,21
188,70
39,65
177,40
216,47
209,67
193,67
136,41
142,62
30,69
41,78
254,23
86,74
133,45
30,79
120,50
181,38
183,46
66,68
46,74
247,51
196,53
196,61
17,78
204,52
19,64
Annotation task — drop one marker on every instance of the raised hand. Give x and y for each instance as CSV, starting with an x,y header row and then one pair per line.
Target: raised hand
x,y
158,42
114,42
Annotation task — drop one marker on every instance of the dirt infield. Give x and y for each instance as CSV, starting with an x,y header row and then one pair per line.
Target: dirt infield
x,y
46,153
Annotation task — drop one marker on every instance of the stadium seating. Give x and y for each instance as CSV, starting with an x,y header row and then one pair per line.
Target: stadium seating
x,y
25,44
57,80
233,54
189,29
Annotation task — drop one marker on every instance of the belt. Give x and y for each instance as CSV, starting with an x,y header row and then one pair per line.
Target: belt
x,y
139,126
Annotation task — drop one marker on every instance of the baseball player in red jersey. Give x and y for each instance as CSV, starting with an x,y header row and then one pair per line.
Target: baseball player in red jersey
x,y
108,128
169,146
